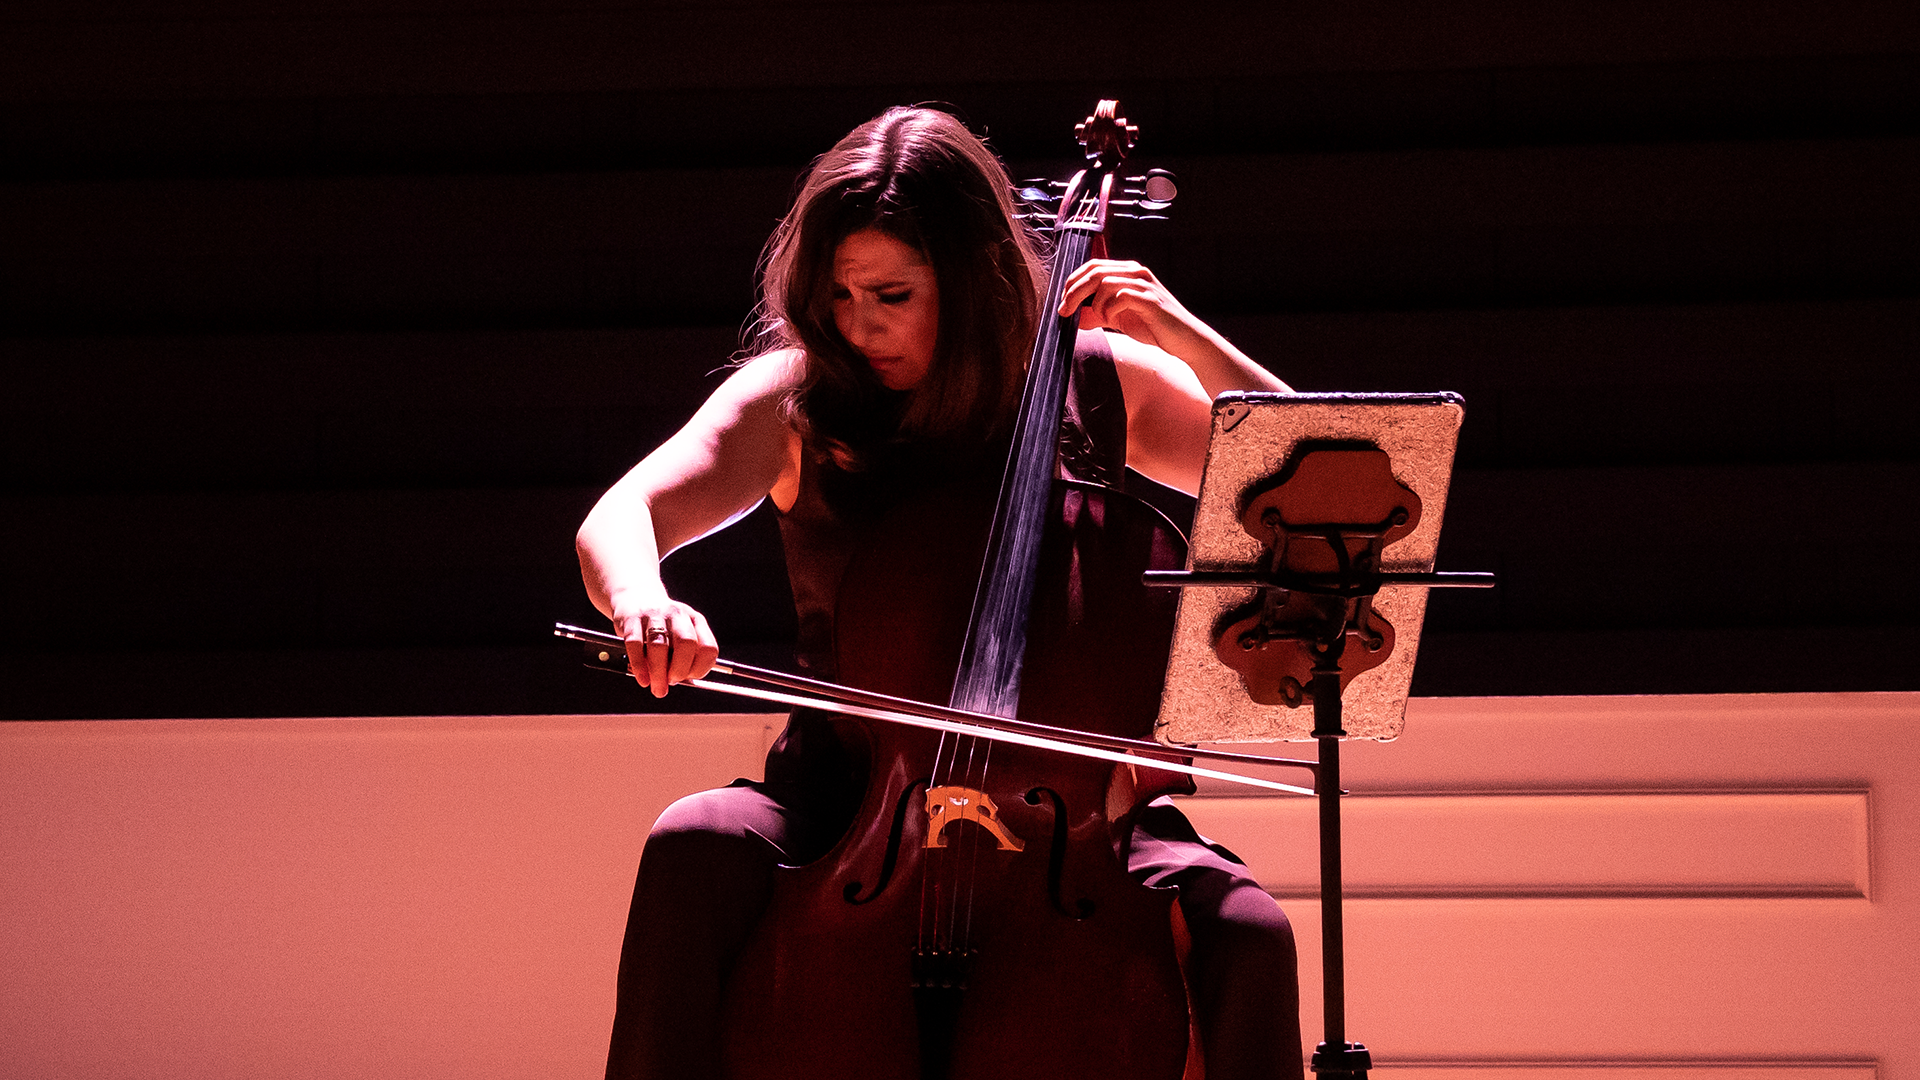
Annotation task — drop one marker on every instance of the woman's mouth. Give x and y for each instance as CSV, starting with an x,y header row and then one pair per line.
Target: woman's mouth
x,y
895,372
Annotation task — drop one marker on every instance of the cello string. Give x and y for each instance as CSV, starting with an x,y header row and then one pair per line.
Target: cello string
x,y
969,882
930,936
946,863
1070,250
979,783
920,937
949,863
943,864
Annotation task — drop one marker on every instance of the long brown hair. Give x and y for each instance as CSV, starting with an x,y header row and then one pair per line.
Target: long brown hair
x,y
922,178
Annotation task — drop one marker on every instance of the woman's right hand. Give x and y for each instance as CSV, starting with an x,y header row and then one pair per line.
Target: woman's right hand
x,y
667,641
737,450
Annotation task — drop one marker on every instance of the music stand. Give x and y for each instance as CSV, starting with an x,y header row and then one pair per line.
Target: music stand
x,y
1307,576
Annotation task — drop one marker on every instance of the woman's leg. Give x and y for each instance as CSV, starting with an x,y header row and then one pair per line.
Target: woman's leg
x,y
1242,971
707,873
705,877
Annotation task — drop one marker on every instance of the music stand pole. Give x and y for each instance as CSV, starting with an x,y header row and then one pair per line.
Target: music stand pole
x,y
1310,506
1335,1057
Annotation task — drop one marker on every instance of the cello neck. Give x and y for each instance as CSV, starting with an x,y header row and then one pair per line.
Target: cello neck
x,y
988,679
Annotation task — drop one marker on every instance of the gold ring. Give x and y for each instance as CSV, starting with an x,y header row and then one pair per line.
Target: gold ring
x,y
658,636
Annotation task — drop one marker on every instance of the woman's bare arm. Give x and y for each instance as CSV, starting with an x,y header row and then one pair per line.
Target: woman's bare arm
x,y
1172,365
736,450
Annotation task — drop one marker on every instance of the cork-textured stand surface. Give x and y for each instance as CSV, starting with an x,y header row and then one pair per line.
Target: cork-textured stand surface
x,y
1253,434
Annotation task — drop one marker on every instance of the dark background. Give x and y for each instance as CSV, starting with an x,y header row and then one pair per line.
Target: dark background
x,y
325,322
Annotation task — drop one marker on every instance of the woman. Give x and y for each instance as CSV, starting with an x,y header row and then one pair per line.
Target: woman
x,y
899,302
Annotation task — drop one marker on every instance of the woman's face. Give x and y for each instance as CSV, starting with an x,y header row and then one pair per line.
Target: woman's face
x,y
886,303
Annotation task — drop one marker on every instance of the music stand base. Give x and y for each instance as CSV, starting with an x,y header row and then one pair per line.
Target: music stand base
x,y
1352,1061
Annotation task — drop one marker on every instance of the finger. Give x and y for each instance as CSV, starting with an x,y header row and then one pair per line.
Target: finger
x,y
1072,298
1140,314
1109,300
686,648
637,660
1114,280
707,649
632,631
659,646
1131,310
1088,299
1080,285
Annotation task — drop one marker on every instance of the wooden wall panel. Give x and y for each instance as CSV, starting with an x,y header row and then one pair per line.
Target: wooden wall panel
x,y
1811,1069
440,897
329,898
1614,844
1684,963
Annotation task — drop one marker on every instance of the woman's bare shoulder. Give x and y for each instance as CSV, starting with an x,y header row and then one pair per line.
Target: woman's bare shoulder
x,y
752,399
758,392
768,376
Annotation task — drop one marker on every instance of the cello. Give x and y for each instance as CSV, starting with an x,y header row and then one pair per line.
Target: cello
x,y
977,919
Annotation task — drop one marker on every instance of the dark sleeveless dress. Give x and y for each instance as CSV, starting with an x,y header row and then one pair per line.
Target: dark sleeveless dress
x,y
706,872
830,522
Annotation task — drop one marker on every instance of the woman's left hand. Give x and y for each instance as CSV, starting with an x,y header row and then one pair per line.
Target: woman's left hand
x,y
1125,296
1172,366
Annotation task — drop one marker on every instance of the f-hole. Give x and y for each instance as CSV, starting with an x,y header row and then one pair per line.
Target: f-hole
x,y
852,891
1057,857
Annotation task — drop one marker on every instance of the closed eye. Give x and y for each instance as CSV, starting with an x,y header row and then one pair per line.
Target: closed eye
x,y
896,298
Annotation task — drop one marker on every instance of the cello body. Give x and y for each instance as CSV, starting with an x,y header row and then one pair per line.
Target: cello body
x,y
1068,964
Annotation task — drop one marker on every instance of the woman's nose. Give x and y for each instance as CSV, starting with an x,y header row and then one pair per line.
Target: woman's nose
x,y
865,327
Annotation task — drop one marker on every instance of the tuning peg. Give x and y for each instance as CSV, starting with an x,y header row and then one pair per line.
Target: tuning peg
x,y
1036,195
1157,189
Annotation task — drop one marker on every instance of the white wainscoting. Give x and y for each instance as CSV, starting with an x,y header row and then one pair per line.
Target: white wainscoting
x,y
1697,887
1690,888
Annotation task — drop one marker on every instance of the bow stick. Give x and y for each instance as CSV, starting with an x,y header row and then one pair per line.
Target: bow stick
x,y
610,654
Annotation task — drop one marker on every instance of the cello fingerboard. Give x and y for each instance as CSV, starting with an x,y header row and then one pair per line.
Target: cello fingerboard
x,y
988,680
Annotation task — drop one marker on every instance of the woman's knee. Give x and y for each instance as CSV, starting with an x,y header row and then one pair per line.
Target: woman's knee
x,y
723,810
1243,973
1234,917
721,832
